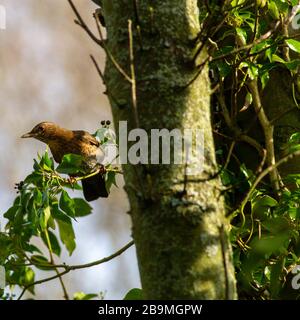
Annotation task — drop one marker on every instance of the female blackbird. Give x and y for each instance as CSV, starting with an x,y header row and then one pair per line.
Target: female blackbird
x,y
63,141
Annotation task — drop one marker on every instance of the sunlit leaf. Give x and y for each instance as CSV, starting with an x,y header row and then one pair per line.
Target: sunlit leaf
x,y
55,247
134,294
293,44
44,217
70,164
82,208
84,296
67,235
66,203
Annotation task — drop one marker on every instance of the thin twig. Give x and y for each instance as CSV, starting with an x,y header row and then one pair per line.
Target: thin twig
x,y
108,53
268,130
229,154
76,267
132,69
261,176
207,37
224,258
66,296
237,131
292,15
282,114
138,22
199,71
101,75
83,25
207,7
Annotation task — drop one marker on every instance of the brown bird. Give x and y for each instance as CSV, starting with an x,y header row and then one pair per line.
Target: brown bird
x,y
63,141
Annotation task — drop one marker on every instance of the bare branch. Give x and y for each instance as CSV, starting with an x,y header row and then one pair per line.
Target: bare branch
x,y
83,25
76,267
268,129
132,69
109,54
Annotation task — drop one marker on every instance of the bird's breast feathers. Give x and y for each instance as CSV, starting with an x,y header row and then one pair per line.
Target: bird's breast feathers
x,y
80,142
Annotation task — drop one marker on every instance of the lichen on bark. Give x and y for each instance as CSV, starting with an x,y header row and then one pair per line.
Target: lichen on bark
x,y
179,243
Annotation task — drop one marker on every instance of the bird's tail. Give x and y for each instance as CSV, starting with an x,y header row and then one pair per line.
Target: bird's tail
x,y
94,187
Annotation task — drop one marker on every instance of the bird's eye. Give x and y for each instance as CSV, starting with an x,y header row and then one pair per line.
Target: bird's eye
x,y
41,130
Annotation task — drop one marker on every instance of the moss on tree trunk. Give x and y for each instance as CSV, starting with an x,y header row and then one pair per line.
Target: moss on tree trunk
x,y
182,250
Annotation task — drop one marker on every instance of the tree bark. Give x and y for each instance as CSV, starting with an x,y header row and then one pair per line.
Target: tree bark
x,y
178,221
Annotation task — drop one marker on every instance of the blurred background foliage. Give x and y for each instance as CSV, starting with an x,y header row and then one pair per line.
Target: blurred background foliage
x,y
46,74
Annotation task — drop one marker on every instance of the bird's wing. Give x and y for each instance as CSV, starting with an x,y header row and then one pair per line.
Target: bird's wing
x,y
86,138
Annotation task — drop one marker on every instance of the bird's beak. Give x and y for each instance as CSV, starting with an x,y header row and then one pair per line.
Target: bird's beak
x,y
27,135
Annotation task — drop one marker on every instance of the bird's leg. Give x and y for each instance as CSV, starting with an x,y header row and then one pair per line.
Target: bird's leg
x,y
98,168
102,169
72,181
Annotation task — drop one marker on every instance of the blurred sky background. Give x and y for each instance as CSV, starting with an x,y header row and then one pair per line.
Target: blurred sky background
x,y
46,74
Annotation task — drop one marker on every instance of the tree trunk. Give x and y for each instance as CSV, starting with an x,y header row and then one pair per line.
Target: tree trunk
x,y
179,225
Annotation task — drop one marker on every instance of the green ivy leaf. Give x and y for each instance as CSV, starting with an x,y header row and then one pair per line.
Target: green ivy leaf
x,y
278,225
273,10
110,179
45,214
293,45
67,204
84,296
71,164
39,260
48,161
282,6
6,247
38,197
53,242
242,34
264,78
235,3
134,294
58,214
276,272
82,208
224,68
271,244
67,235
261,206
293,65
252,69
36,178
31,248
294,2
276,58
51,223
29,278
294,213
265,200
11,212
261,46
227,177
